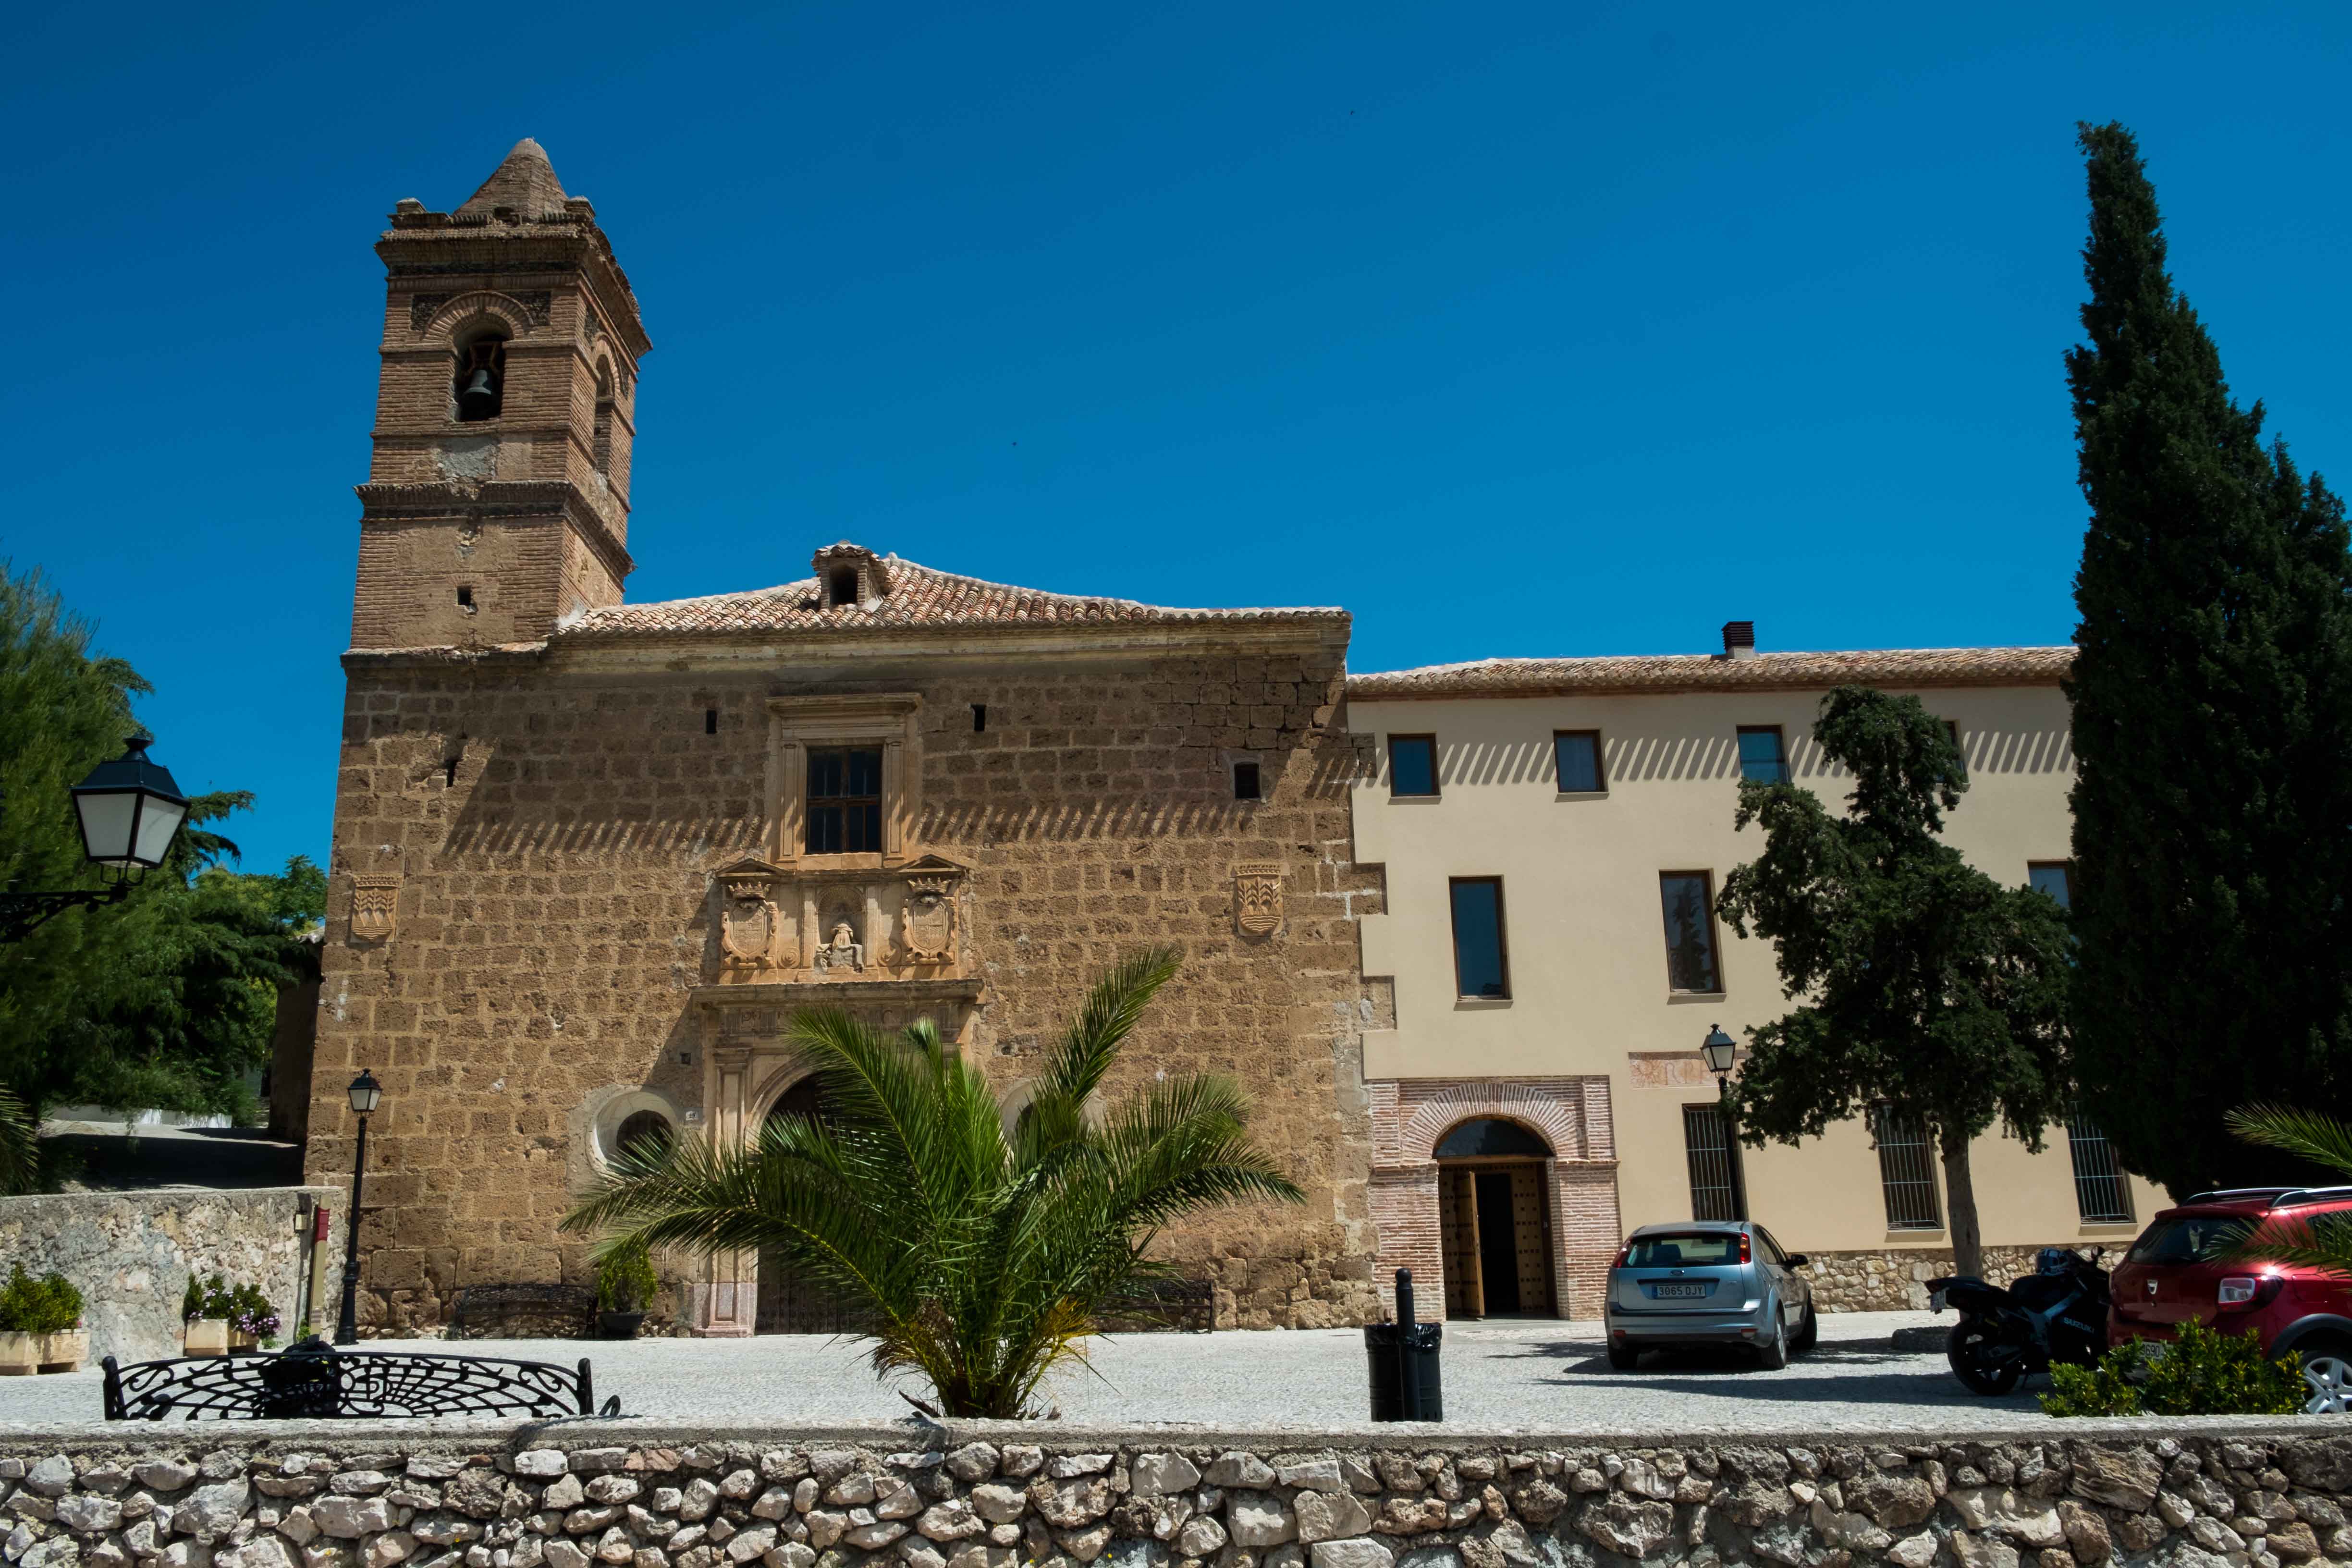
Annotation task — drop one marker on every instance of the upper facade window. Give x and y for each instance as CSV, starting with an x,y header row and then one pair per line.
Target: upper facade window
x,y
1689,897
1412,765
1481,968
845,800
2055,877
1575,760
1762,755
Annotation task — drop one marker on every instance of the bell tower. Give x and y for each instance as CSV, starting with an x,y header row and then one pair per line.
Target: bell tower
x,y
497,499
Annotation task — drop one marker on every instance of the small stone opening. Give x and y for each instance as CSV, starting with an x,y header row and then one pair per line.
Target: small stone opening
x,y
710,721
979,717
1246,782
465,596
840,587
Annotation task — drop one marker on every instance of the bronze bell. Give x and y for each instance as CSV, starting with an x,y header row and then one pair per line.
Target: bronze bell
x,y
478,399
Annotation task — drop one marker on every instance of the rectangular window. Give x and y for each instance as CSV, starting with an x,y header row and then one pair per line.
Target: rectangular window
x,y
1906,1170
2100,1194
2055,877
1576,758
1412,765
1479,964
1689,897
1762,755
845,800
1245,780
1710,1161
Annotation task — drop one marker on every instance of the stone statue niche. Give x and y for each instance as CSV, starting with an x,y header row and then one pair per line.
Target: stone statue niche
x,y
841,951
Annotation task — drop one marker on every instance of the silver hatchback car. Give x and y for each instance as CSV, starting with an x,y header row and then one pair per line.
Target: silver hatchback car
x,y
1709,1282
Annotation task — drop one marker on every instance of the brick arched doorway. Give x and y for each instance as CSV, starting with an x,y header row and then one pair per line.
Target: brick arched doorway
x,y
788,1305
1494,1221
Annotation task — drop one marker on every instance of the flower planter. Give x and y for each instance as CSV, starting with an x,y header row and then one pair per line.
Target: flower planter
x,y
243,1343
64,1351
618,1325
20,1354
207,1336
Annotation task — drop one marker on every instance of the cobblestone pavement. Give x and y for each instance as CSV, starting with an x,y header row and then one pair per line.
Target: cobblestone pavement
x,y
1540,1375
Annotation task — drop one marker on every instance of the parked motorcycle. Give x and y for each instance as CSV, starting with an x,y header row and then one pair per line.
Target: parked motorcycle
x,y
2057,1313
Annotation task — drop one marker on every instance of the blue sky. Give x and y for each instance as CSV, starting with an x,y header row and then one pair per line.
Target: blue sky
x,y
1516,330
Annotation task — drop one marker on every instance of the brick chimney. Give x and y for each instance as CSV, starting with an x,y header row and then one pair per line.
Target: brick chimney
x,y
1739,639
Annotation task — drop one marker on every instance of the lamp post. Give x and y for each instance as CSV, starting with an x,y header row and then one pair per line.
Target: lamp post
x,y
1721,1051
364,1092
130,811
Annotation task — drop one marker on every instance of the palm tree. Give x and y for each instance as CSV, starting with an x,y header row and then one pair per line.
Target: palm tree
x,y
2324,1241
980,1257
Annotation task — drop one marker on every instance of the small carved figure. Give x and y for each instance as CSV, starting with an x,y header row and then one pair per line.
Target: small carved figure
x,y
842,950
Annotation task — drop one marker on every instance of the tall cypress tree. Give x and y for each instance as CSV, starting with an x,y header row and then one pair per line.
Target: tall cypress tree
x,y
2212,714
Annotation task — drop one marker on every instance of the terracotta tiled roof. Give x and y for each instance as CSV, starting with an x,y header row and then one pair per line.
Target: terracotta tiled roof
x,y
1699,672
917,598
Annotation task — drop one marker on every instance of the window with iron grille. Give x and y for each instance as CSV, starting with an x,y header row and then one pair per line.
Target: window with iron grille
x,y
1710,1161
1907,1171
2100,1190
844,801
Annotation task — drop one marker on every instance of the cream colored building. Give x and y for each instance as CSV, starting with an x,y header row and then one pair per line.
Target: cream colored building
x,y
1524,1121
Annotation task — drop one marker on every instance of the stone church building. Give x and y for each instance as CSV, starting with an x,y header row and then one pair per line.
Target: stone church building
x,y
590,856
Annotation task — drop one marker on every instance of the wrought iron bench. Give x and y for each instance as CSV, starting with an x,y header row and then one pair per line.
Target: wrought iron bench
x,y
524,1312
314,1379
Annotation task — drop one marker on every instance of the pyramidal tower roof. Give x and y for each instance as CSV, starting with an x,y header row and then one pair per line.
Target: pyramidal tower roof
x,y
525,182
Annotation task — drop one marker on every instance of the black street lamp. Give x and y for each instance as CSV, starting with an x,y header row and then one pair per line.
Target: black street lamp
x,y
364,1092
130,811
1721,1051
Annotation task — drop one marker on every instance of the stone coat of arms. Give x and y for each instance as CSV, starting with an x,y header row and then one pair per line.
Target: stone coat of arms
x,y
748,924
1258,896
375,901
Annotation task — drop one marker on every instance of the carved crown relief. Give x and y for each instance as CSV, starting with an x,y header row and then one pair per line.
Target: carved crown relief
x,y
784,924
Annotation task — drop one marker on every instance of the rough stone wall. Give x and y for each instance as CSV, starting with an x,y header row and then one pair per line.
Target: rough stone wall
x,y
993,1497
1895,1280
552,911
131,1254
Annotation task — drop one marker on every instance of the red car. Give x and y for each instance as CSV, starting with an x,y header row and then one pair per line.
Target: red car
x,y
2168,1278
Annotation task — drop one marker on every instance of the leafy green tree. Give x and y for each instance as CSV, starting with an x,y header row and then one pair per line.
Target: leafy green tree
x,y
1922,984
2212,730
166,998
979,1257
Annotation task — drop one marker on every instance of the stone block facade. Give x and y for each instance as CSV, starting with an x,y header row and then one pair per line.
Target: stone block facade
x,y
999,1494
545,840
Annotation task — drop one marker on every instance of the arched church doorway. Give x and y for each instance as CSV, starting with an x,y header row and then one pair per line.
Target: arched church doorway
x,y
787,1305
1495,1220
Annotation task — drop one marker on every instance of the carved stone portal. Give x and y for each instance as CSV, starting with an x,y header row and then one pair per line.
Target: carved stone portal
x,y
1258,896
375,902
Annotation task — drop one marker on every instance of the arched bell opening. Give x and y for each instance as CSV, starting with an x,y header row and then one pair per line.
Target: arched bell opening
x,y
1495,1223
478,387
788,1305
600,446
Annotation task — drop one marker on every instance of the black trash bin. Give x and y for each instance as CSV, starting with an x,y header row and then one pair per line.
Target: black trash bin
x,y
1402,1359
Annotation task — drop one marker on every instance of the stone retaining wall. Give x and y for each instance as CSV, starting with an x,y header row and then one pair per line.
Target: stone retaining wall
x,y
131,1254
1896,1279
2209,1494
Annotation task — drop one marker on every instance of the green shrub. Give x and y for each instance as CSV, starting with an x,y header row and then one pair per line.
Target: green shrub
x,y
49,1305
17,1308
2202,1373
208,1298
625,1280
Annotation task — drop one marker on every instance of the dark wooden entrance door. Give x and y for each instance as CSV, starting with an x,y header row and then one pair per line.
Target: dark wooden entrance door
x,y
787,1305
1495,1229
